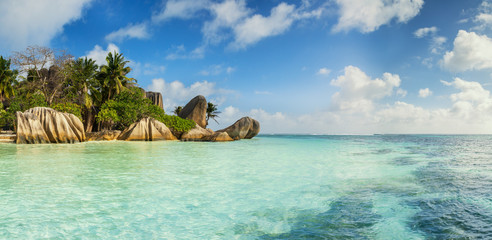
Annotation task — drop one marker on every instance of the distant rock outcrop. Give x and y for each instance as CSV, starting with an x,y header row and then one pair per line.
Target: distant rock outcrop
x,y
45,125
147,129
196,110
244,128
104,135
155,97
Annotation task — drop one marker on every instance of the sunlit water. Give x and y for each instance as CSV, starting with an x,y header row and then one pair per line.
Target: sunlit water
x,y
270,187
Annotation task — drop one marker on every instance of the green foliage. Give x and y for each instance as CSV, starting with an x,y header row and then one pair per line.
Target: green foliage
x,y
112,79
69,107
128,107
36,100
21,103
7,79
212,112
177,110
177,124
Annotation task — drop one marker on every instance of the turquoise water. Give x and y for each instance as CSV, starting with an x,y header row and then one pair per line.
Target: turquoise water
x,y
269,187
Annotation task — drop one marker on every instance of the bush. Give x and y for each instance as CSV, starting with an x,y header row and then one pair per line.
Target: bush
x,y
20,103
72,108
177,124
127,108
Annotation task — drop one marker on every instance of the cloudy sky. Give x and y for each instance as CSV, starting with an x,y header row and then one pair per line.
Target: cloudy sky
x,y
305,66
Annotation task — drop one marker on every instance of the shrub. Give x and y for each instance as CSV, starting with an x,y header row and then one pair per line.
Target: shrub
x,y
177,124
68,107
127,108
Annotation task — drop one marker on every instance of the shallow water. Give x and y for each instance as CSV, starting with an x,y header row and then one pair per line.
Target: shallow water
x,y
270,187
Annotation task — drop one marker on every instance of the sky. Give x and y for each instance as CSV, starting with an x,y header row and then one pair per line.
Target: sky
x,y
297,66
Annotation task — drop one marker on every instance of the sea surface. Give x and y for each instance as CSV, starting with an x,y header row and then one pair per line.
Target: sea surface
x,y
269,187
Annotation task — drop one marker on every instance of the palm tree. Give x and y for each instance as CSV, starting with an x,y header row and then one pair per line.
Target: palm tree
x,y
112,77
212,112
7,79
177,110
82,74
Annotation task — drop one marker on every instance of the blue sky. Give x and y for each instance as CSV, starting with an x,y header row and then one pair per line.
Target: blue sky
x,y
305,66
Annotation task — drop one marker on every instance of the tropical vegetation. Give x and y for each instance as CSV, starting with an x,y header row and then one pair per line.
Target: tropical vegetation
x,y
103,97
212,112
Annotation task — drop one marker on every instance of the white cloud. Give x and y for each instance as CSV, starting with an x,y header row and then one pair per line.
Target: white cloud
x,y
471,52
233,20
368,16
99,55
422,32
324,71
469,111
139,31
358,90
34,22
226,15
423,93
437,44
183,9
177,94
257,27
484,17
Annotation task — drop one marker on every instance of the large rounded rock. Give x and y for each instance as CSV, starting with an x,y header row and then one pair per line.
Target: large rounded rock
x,y
196,110
147,129
155,97
45,125
244,128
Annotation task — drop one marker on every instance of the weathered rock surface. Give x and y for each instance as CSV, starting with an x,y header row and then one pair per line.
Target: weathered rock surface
x,y
220,137
155,97
147,129
197,134
200,134
244,128
45,125
104,135
196,110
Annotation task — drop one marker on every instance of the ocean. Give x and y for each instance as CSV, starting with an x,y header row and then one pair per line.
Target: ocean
x,y
269,187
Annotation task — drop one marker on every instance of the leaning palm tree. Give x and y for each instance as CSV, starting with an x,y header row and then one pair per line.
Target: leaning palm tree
x,y
7,79
112,77
212,112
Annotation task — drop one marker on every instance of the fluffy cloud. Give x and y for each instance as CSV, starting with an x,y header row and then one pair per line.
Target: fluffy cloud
x,y
180,9
38,23
98,54
177,94
423,93
422,32
139,31
358,90
368,16
257,27
471,52
484,17
232,19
